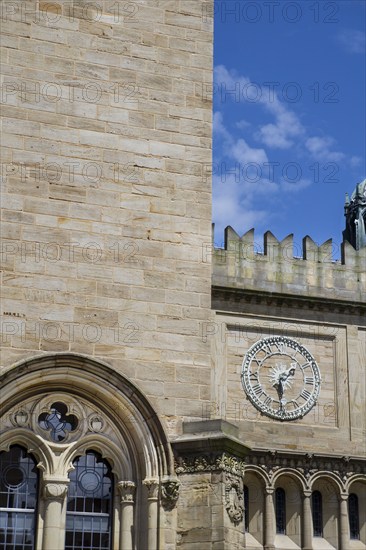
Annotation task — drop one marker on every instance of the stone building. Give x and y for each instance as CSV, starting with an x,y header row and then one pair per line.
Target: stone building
x,y
156,392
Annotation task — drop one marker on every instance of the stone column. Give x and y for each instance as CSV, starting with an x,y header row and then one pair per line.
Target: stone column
x,y
54,494
344,522
307,522
127,493
269,520
152,486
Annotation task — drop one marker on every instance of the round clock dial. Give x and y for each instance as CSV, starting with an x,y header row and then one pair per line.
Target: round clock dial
x,y
281,378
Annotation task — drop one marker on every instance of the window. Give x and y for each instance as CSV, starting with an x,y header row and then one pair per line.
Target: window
x,y
354,522
89,504
246,508
18,499
317,510
280,511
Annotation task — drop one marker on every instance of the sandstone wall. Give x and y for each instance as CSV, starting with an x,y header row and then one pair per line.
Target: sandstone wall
x,y
107,135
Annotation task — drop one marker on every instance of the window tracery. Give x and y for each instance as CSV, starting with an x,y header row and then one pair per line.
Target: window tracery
x,y
89,504
57,422
18,499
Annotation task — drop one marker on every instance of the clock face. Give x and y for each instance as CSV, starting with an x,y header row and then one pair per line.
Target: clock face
x,y
281,378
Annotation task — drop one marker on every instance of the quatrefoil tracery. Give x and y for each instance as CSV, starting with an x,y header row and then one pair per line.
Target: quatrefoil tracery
x,y
57,422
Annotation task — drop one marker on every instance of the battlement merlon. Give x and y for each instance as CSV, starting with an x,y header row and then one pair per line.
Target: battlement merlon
x,y
311,272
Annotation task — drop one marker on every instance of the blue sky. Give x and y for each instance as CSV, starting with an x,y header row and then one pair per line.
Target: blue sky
x,y
289,115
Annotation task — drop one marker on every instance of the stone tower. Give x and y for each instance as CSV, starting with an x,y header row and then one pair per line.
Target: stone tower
x,y
355,213
106,254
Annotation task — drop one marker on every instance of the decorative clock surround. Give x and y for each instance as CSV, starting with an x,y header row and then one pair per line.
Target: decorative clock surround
x,y
281,378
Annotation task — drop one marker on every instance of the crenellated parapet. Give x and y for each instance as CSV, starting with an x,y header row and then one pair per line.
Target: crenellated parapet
x,y
283,267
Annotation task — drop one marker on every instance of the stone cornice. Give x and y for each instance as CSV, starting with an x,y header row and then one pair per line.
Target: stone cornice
x,y
216,451
235,294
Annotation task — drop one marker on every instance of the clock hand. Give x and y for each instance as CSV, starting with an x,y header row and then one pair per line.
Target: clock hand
x,y
280,384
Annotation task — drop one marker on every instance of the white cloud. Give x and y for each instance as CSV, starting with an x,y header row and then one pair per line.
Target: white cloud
x,y
233,205
244,154
355,161
242,124
296,186
352,40
287,125
278,135
320,149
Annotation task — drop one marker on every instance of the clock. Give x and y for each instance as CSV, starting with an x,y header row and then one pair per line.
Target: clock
x,y
281,378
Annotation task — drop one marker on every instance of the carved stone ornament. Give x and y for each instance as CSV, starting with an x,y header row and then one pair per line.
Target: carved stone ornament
x,y
152,486
127,491
216,462
55,489
234,499
170,493
20,418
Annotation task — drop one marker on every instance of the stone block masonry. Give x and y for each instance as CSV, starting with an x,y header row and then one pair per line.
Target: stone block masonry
x,y
105,137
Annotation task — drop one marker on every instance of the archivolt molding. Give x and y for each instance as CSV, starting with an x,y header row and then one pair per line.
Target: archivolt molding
x,y
354,479
288,472
259,472
34,444
118,459
123,404
331,477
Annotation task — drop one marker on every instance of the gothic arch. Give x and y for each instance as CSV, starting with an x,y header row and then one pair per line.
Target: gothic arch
x,y
107,449
34,445
95,381
59,406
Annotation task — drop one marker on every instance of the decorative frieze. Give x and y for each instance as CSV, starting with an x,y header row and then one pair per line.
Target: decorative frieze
x,y
270,462
210,463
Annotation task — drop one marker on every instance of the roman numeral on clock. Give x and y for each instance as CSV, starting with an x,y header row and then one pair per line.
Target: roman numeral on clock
x,y
281,347
309,379
257,388
305,366
305,394
268,400
253,376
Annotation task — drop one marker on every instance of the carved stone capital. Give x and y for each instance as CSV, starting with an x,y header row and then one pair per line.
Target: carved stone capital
x,y
56,489
234,498
152,486
170,492
127,491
